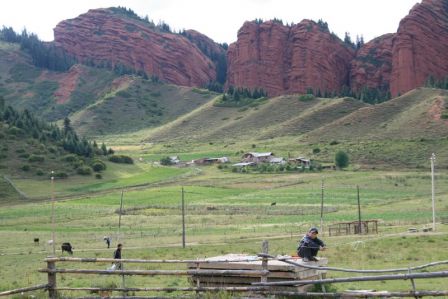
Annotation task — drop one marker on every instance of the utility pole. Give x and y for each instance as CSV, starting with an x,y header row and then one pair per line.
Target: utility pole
x,y
119,216
359,211
52,214
322,207
433,158
183,219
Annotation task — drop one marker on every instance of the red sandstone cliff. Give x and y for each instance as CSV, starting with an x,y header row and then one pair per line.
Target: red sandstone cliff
x,y
288,59
372,65
420,47
103,35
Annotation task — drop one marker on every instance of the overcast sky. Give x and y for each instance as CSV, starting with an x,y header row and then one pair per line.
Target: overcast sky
x,y
220,20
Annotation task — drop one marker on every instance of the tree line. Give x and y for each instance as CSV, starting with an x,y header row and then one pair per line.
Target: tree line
x,y
25,123
45,55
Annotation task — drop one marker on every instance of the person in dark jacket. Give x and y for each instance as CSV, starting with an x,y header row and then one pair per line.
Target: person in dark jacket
x,y
310,245
117,256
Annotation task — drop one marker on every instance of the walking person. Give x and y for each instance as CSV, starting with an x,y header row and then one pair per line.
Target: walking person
x,y
310,245
117,256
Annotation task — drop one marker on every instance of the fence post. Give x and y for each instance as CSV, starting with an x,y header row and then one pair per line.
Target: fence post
x,y
52,293
264,262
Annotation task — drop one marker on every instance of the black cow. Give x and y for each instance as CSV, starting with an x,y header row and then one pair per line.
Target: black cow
x,y
36,241
67,247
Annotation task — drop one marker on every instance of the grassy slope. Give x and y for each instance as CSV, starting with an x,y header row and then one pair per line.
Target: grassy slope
x,y
406,117
136,105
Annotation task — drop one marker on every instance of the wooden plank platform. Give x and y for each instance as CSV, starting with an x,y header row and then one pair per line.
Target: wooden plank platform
x,y
278,270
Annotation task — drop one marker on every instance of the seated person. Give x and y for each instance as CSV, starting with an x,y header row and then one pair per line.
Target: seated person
x,y
310,245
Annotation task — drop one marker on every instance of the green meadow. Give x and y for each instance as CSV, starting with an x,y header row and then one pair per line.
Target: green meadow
x,y
226,212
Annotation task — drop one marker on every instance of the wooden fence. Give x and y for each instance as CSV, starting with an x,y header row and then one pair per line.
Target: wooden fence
x,y
261,288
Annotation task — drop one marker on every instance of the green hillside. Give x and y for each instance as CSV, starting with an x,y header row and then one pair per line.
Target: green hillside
x,y
98,101
129,109
134,104
417,114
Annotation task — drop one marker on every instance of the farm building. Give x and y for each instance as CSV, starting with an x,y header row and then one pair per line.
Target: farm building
x,y
279,160
301,161
244,164
257,157
206,161
174,159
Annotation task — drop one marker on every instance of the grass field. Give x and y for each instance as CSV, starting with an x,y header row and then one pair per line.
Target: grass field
x,y
225,213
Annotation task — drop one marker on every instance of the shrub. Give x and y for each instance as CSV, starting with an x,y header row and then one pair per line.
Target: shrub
x,y
15,131
70,158
84,170
121,159
341,159
24,156
36,158
166,161
334,142
306,97
98,176
39,172
98,165
25,167
316,150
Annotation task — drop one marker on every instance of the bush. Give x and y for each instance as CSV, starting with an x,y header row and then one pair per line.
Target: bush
x,y
334,142
98,165
341,159
98,176
306,97
316,150
15,131
70,158
121,159
84,170
39,172
36,158
166,161
25,167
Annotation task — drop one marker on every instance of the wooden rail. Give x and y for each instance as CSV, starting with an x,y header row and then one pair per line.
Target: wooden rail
x,y
24,290
263,287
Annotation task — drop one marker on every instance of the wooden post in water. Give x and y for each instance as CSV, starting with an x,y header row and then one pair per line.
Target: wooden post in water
x,y
264,262
52,293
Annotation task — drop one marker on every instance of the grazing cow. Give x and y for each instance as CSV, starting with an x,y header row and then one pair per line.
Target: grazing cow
x,y
67,247
36,241
273,203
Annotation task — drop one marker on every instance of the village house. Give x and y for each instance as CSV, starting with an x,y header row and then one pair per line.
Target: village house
x,y
277,160
174,159
300,161
206,161
257,157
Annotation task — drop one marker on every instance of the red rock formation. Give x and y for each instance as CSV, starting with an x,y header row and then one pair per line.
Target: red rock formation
x,y
103,36
205,44
288,59
214,51
372,65
420,48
